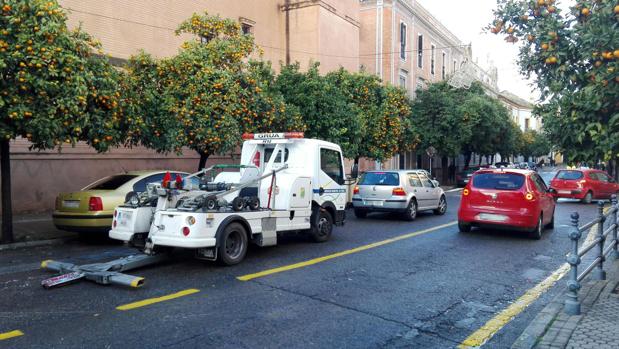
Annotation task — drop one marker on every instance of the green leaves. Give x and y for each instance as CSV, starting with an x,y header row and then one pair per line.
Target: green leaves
x,y
54,89
580,90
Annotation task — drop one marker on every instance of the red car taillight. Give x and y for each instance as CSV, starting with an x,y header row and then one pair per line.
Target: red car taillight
x,y
398,192
95,204
529,196
356,190
465,192
186,231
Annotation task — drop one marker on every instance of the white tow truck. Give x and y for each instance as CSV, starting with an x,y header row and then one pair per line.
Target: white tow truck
x,y
285,183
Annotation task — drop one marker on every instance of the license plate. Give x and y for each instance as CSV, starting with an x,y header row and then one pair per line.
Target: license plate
x,y
564,192
373,203
492,217
71,203
124,218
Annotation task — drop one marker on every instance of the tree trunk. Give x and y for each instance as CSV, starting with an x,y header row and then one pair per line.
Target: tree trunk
x,y
445,172
467,159
357,160
7,210
203,157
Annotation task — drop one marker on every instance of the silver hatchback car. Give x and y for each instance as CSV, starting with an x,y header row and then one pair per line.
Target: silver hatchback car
x,y
403,191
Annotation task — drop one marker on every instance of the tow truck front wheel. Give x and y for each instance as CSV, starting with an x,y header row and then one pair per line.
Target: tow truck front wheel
x,y
233,245
322,225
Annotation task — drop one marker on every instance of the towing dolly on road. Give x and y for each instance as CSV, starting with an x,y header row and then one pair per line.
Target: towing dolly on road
x,y
285,183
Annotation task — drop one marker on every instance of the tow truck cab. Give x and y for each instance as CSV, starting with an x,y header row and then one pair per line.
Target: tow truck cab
x,y
299,183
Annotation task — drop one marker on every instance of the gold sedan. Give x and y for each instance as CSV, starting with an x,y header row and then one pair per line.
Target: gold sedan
x,y
92,208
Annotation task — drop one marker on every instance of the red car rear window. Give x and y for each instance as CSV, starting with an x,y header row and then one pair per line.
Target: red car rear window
x,y
569,175
499,181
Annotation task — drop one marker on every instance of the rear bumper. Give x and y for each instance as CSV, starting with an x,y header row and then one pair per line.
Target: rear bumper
x,y
498,219
571,193
380,205
82,223
184,242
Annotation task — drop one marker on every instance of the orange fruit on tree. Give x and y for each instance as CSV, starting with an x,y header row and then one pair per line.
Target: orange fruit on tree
x,y
598,63
544,46
530,37
551,9
617,10
541,2
510,30
585,11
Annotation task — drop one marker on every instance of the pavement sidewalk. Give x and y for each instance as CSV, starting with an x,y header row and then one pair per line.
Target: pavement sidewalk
x,y
35,230
596,327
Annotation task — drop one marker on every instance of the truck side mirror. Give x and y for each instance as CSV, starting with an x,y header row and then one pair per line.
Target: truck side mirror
x,y
354,172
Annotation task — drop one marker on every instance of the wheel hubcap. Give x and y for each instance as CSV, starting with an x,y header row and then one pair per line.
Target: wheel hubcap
x,y
323,226
233,244
443,205
413,211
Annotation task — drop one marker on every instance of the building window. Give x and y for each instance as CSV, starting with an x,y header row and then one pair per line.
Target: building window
x,y
403,79
455,66
246,28
526,124
443,66
432,59
403,41
420,51
247,25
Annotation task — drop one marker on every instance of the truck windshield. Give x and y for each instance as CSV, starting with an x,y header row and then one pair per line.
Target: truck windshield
x,y
380,178
500,181
569,175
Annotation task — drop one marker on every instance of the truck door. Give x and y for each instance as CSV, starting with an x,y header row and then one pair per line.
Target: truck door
x,y
330,186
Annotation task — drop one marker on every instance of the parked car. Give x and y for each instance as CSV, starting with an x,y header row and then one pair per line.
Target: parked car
x,y
462,178
584,184
403,191
507,198
91,209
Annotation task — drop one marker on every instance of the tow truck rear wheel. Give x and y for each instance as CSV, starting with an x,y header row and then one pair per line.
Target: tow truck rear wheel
x,y
232,244
322,225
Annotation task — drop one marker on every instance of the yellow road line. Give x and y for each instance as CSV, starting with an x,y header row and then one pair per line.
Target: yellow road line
x,y
490,328
340,254
11,334
150,301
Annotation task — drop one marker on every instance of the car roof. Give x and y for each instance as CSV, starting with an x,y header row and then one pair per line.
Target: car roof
x,y
148,172
397,171
506,170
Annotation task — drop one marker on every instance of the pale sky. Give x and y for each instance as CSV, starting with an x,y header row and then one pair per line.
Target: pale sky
x,y
466,18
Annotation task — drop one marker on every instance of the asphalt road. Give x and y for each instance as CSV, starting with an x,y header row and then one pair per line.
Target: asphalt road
x,y
430,290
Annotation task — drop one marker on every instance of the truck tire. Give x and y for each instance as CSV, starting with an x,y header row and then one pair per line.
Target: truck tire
x,y
464,227
232,244
238,204
254,203
321,225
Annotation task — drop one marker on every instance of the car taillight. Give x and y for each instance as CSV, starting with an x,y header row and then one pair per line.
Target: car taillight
x,y
115,213
95,204
398,192
256,160
114,224
465,192
186,231
529,196
356,190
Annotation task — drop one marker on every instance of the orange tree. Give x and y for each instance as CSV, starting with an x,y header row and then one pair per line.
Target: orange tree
x,y
206,96
326,111
573,59
383,115
54,90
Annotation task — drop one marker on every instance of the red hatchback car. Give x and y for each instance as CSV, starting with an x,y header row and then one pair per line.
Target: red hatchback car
x,y
584,185
507,198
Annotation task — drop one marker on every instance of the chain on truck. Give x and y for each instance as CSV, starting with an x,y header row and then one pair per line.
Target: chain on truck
x,y
284,182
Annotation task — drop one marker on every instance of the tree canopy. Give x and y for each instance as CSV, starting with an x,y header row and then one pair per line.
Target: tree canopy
x,y
572,58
